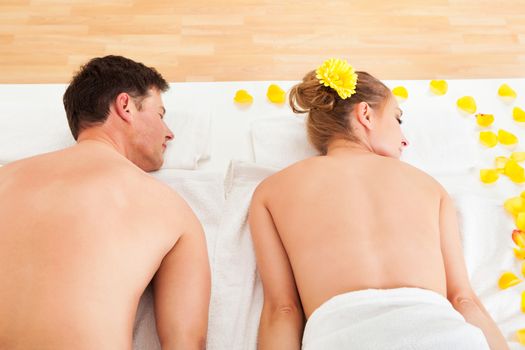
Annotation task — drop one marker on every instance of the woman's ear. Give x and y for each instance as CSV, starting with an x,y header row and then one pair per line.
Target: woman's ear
x,y
363,113
123,106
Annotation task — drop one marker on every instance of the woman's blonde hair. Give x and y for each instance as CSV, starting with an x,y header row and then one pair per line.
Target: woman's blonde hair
x,y
328,114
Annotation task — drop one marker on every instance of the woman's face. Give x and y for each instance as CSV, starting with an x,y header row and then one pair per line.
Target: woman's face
x,y
386,137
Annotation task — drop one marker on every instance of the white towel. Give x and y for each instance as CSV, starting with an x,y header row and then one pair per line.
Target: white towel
x,y
238,298
394,319
204,193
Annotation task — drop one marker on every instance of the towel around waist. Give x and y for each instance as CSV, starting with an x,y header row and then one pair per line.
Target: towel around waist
x,y
394,296
400,318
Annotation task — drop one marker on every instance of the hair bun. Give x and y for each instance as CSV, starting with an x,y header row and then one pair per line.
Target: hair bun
x,y
310,94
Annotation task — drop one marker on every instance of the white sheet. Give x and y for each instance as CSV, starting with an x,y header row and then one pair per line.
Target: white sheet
x,y
444,143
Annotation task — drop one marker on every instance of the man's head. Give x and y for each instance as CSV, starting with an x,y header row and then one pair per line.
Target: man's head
x,y
97,84
128,90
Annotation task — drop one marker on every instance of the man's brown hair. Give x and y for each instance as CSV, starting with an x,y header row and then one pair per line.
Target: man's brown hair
x,y
96,85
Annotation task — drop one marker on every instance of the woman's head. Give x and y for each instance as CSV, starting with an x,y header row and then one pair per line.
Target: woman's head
x,y
369,115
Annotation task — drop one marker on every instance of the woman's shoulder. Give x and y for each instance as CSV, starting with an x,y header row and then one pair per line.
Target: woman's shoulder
x,y
292,174
419,176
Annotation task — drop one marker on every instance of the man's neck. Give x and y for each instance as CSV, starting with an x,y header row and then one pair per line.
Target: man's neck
x,y
101,138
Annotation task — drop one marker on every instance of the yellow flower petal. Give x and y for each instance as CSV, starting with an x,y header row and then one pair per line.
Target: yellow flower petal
x,y
514,205
484,120
519,253
400,92
518,114
517,156
512,168
438,87
518,179
518,236
521,336
506,91
242,96
275,94
506,138
488,138
500,162
467,104
520,221
514,171
488,176
508,279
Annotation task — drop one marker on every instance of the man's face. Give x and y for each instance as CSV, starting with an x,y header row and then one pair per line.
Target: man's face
x,y
151,133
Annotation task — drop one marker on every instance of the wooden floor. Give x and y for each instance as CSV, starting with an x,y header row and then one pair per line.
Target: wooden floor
x,y
45,41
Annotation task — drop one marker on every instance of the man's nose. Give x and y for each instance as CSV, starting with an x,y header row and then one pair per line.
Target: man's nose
x,y
170,135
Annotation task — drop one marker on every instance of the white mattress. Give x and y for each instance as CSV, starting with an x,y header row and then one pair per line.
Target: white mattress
x,y
213,130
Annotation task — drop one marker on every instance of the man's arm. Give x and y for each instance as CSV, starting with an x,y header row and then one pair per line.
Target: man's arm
x,y
182,290
459,290
282,320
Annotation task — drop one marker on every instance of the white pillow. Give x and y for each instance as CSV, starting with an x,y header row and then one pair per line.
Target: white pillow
x,y
438,144
192,140
281,141
440,141
33,121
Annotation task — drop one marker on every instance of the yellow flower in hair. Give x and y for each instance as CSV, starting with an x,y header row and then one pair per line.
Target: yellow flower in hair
x,y
338,75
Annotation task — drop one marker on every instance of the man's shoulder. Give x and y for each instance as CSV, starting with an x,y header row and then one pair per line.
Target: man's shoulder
x,y
149,183
31,167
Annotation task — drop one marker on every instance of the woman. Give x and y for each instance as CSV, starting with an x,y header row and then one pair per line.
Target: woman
x,y
363,246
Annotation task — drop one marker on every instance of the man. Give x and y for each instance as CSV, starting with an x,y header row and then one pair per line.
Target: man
x,y
84,230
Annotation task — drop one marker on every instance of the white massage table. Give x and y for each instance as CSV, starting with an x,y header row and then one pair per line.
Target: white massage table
x,y
211,131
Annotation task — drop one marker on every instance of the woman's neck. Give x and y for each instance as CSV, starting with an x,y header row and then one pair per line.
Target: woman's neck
x,y
342,146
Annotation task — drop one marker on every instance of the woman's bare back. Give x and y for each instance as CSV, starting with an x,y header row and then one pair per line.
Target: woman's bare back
x,y
352,222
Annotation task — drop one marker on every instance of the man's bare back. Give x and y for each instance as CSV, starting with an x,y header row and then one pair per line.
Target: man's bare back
x,y
82,233
383,215
84,230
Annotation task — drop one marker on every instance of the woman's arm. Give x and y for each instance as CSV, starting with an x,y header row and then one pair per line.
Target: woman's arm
x,y
282,320
459,290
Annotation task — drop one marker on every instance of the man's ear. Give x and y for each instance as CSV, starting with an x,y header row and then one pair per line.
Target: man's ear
x,y
124,106
363,113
